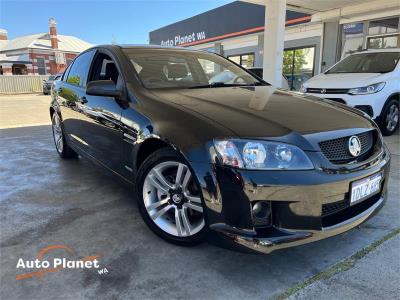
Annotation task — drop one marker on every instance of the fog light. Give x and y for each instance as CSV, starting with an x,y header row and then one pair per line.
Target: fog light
x,y
261,213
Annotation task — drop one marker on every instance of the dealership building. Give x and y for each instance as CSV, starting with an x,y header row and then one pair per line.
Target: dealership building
x,y
316,33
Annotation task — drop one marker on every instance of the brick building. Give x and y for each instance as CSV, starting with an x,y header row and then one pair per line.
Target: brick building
x,y
38,54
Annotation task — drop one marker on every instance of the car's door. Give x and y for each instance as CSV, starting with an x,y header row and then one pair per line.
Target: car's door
x,y
71,95
101,124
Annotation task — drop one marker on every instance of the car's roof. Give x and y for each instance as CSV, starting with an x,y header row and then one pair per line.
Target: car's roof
x,y
146,46
378,50
149,46
128,46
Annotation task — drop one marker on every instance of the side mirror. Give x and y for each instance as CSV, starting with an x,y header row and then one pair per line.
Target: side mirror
x,y
103,88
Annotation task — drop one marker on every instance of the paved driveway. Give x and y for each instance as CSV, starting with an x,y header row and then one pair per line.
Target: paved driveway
x,y
46,201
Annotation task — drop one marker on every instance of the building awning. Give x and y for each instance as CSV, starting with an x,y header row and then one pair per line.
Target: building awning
x,y
15,62
319,6
220,23
13,59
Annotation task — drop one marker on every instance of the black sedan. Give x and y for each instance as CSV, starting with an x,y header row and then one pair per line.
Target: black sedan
x,y
47,84
240,163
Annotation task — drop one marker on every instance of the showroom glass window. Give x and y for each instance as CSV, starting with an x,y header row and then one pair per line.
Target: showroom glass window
x,y
41,65
353,38
298,66
78,73
383,34
245,60
374,34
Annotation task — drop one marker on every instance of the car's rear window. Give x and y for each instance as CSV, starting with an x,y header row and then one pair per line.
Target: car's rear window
x,y
376,62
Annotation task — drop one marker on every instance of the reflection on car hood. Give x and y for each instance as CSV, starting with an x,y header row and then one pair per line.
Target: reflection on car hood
x,y
264,111
344,80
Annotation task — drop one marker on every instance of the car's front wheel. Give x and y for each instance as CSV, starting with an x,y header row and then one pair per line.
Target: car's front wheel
x,y
63,149
389,119
169,198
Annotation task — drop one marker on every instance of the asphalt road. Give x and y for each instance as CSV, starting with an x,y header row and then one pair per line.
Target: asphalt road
x,y
45,201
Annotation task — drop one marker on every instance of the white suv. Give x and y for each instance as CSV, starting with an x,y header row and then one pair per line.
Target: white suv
x,y
368,80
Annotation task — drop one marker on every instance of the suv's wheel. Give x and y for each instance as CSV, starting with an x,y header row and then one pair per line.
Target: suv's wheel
x,y
169,198
62,147
389,119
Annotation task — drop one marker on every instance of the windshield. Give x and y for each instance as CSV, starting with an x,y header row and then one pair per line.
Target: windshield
x,y
162,68
378,62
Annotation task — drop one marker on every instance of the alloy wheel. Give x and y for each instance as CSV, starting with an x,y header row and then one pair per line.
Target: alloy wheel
x,y
57,133
172,199
392,117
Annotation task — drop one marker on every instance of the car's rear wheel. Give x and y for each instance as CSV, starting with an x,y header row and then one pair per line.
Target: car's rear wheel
x,y
170,199
389,119
63,149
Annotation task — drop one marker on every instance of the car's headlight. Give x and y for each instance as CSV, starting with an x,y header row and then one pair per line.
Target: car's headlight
x,y
261,155
303,89
370,89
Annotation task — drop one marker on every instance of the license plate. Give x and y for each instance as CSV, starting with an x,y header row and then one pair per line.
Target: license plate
x,y
364,188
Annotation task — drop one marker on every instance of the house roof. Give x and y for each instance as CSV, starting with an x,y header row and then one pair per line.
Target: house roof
x,y
3,43
42,41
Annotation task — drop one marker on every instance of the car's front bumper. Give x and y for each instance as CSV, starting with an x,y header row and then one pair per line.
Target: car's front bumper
x,y
374,102
283,238
46,89
297,199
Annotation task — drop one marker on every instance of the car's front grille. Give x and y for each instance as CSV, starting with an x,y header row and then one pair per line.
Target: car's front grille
x,y
332,208
347,211
337,150
326,91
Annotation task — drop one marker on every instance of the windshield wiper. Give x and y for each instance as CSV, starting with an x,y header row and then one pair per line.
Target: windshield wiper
x,y
222,84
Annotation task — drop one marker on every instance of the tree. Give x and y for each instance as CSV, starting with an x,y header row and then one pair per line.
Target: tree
x,y
294,60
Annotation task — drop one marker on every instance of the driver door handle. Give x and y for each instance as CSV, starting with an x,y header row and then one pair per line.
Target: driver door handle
x,y
83,100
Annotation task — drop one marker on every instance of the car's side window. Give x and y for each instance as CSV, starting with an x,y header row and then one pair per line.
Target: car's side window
x,y
104,68
79,70
65,74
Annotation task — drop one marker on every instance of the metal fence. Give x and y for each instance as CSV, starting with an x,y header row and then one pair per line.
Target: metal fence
x,y
19,84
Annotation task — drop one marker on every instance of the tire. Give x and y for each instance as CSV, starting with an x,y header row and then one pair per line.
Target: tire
x,y
65,151
389,118
172,209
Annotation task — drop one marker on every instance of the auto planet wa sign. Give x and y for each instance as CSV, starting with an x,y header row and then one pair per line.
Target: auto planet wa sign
x,y
184,39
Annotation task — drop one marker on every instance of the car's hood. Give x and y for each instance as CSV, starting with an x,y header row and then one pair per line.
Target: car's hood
x,y
344,80
264,111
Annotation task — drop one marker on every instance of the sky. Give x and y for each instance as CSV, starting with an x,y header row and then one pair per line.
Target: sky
x,y
99,22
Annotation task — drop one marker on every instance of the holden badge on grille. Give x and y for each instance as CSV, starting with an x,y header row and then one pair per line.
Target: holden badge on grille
x,y
354,145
